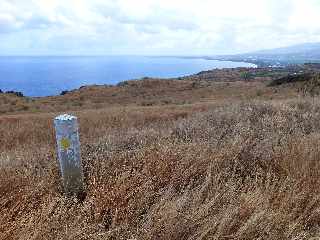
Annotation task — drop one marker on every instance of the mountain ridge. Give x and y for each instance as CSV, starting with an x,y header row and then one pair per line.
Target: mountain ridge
x,y
297,48
295,54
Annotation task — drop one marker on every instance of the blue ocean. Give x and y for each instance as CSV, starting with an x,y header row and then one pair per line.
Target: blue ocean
x,y
46,76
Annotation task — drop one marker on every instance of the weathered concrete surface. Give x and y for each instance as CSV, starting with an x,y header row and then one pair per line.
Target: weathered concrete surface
x,y
68,144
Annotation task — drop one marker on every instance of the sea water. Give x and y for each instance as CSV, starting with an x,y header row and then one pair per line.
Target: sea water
x,y
45,76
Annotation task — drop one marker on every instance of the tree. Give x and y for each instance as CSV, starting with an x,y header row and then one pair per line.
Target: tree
x,y
246,76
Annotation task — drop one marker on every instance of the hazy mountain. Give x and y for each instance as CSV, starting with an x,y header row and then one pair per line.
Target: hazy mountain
x,y
302,53
306,50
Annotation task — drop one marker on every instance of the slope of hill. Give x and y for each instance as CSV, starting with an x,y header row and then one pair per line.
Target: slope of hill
x,y
236,160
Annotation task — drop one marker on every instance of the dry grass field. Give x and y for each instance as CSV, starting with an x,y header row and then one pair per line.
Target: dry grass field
x,y
236,162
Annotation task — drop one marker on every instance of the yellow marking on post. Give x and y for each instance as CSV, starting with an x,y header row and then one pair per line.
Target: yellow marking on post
x,y
65,143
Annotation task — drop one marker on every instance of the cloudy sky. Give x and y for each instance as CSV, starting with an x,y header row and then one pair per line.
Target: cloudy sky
x,y
154,27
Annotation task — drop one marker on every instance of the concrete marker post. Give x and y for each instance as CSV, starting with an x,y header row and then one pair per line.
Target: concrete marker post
x,y
68,146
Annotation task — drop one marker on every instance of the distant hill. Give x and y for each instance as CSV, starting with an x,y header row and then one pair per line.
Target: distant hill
x,y
297,54
306,50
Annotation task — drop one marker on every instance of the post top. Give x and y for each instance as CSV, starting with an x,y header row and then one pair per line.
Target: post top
x,y
65,117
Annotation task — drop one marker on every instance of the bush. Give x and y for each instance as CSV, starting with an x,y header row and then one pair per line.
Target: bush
x,y
64,92
246,76
123,84
18,94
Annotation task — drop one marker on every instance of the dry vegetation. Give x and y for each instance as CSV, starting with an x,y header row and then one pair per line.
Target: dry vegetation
x,y
208,86
152,92
244,166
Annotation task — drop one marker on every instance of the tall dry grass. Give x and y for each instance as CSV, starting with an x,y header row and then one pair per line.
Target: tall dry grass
x,y
237,170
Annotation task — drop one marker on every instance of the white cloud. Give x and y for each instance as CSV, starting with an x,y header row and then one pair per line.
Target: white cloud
x,y
8,23
154,26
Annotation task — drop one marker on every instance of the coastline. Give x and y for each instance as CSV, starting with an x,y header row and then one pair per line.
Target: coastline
x,y
166,74
206,86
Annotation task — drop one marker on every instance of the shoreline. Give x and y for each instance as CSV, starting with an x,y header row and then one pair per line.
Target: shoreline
x,y
205,86
20,93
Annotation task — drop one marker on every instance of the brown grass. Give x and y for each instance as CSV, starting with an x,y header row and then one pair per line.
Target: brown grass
x,y
146,92
229,169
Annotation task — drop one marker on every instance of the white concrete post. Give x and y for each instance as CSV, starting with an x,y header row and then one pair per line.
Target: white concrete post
x,y
69,153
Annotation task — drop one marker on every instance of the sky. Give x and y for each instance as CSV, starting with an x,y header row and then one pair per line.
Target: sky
x,y
154,27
